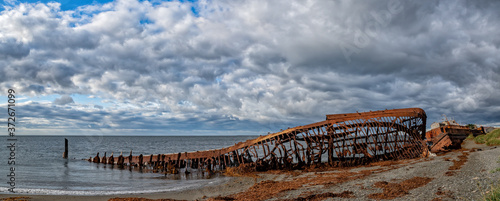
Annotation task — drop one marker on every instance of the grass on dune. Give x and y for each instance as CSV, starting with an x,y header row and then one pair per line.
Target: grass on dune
x,y
491,138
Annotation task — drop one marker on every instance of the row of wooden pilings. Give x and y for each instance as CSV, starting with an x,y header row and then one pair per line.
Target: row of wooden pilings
x,y
171,163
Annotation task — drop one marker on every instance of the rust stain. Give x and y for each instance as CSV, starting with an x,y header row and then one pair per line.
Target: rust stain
x,y
394,190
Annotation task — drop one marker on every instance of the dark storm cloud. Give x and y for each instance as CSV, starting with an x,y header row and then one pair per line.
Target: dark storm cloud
x,y
10,47
257,62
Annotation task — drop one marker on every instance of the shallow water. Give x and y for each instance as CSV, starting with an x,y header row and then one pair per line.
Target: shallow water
x,y
40,168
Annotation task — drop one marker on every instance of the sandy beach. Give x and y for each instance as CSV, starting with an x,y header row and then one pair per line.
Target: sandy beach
x,y
464,174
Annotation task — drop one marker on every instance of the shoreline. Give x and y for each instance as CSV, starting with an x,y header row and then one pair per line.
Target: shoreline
x,y
458,174
233,185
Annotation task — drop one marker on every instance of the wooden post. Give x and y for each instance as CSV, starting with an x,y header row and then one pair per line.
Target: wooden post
x,y
140,160
104,159
65,154
111,159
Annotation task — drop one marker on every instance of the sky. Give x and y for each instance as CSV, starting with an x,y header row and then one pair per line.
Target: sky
x,y
243,67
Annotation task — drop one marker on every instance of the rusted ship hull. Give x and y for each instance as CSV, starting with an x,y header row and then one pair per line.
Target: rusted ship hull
x,y
449,137
341,140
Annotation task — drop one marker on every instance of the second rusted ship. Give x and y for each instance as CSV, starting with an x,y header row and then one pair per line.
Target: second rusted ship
x,y
449,135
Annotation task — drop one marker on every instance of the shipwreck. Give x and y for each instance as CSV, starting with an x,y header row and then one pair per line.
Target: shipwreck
x,y
341,140
448,134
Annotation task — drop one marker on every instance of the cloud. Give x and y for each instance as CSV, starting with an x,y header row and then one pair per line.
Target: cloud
x,y
10,47
258,62
63,100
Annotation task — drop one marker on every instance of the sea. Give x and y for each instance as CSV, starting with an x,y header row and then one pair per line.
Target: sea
x,y
40,168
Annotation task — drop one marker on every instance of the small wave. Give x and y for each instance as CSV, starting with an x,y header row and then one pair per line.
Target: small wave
x,y
83,192
40,191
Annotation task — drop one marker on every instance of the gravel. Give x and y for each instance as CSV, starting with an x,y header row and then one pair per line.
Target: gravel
x,y
469,182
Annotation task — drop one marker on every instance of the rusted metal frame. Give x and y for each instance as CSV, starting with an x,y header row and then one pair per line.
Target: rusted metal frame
x,y
220,162
416,140
376,137
230,161
373,128
279,142
275,145
414,150
352,144
367,136
336,145
308,148
386,139
234,160
274,154
255,150
263,150
299,147
344,151
244,154
294,148
377,143
367,143
397,145
361,146
282,150
326,138
281,157
321,143
270,153
421,122
285,152
302,149
394,130
237,156
240,156
266,153
249,155
411,132
408,123
365,146
356,145
402,141
410,138
381,113
386,123
315,140
321,136
402,146
330,144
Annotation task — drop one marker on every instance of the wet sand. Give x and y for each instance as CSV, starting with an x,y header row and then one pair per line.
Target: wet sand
x,y
237,184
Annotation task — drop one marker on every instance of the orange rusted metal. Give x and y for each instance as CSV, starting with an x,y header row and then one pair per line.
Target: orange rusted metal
x,y
341,140
449,135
